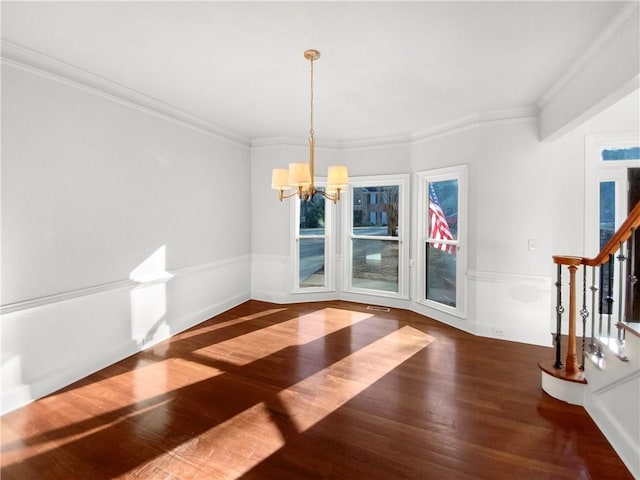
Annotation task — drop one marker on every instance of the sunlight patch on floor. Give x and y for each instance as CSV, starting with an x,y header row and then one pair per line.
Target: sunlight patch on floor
x,y
252,432
228,323
100,405
305,403
317,396
244,349
125,389
38,444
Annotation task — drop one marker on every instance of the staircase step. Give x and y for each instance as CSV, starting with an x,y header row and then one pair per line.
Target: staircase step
x,y
615,346
597,359
561,373
568,387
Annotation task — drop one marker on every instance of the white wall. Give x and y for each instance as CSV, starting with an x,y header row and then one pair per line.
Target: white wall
x,y
119,228
512,206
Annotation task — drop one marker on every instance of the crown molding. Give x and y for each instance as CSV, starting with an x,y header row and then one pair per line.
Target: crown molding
x,y
448,128
387,141
618,28
279,141
26,59
35,62
512,115
332,143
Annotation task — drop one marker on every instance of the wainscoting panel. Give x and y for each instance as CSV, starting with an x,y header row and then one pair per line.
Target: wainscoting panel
x,y
49,343
270,278
513,307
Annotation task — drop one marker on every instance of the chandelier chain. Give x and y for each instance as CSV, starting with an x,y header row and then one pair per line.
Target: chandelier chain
x,y
311,132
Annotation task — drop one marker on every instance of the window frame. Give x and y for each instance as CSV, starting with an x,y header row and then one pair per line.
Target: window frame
x,y
329,245
423,179
597,171
402,181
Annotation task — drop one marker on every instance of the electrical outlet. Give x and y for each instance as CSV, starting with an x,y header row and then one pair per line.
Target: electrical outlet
x,y
532,244
498,332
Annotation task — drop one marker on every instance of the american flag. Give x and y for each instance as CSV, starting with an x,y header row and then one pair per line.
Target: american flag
x,y
438,226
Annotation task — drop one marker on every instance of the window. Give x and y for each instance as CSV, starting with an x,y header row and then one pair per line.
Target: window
x,y
617,154
376,258
313,251
608,161
441,253
611,163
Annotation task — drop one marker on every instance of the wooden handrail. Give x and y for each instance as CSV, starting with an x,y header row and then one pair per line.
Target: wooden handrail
x,y
622,235
613,245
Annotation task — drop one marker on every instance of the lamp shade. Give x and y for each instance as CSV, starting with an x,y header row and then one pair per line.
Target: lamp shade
x,y
337,177
280,179
299,174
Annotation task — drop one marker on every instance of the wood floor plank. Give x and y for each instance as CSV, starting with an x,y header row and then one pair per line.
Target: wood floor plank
x,y
326,390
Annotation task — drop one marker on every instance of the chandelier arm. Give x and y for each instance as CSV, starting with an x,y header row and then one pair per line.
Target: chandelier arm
x,y
282,196
329,196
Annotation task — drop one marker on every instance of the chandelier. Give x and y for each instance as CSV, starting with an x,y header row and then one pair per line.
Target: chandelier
x,y
300,176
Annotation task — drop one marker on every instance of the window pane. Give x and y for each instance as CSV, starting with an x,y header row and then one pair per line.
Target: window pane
x,y
607,212
613,154
443,210
375,211
311,256
375,264
312,216
607,229
441,275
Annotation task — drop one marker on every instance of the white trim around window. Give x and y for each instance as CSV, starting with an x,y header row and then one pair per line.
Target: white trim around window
x,y
328,284
403,231
596,171
421,237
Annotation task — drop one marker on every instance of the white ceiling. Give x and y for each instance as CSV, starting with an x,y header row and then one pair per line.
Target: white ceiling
x,y
386,68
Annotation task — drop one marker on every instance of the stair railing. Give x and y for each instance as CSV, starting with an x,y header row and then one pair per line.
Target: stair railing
x,y
621,246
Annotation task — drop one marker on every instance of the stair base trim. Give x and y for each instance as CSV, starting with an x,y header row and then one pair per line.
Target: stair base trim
x,y
568,391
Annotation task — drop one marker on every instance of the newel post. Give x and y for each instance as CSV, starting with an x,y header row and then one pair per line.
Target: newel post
x,y
571,361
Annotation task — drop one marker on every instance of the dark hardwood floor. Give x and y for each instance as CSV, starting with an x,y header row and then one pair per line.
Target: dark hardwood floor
x,y
310,391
